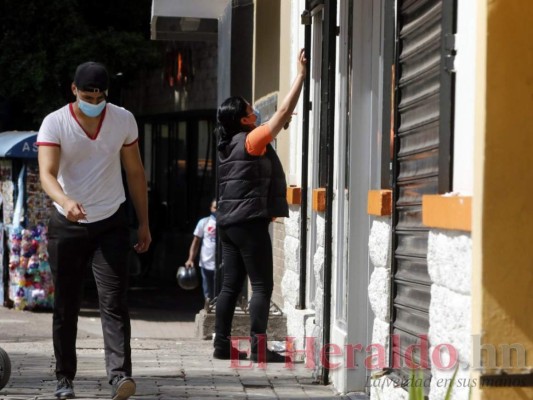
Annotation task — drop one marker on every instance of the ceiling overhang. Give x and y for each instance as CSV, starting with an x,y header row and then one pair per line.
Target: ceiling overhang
x,y
186,20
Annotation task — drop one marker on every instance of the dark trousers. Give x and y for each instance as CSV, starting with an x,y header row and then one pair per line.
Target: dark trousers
x,y
71,247
246,249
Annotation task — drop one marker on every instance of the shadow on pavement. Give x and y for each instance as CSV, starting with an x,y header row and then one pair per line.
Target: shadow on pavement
x,y
152,301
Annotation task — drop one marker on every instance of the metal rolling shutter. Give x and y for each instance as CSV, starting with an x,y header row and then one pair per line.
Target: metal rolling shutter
x,y
422,160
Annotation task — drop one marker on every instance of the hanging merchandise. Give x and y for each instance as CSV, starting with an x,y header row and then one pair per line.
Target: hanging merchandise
x,y
26,209
38,203
30,277
6,190
7,205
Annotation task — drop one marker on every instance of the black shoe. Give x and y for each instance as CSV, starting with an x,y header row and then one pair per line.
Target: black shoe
x,y
225,350
268,357
122,387
64,389
223,354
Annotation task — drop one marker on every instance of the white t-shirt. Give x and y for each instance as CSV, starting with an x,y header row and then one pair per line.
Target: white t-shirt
x,y
207,230
89,168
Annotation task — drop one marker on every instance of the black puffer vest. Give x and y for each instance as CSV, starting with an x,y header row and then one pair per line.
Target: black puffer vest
x,y
249,187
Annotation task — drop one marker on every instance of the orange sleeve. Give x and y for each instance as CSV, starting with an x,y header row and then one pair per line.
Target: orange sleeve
x,y
257,140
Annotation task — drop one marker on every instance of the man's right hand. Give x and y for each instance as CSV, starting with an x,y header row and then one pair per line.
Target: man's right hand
x,y
74,211
189,264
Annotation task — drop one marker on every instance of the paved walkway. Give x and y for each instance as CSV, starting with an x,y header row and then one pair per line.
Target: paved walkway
x,y
168,363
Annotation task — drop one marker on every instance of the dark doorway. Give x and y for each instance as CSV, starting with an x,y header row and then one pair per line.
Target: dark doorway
x,y
178,153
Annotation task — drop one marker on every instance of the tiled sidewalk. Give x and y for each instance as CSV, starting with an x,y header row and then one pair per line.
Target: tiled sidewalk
x,y
163,368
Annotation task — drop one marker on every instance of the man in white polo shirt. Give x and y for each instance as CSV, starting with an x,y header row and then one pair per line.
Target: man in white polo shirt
x,y
82,147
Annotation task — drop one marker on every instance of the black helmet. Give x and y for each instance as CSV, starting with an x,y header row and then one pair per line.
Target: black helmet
x,y
187,278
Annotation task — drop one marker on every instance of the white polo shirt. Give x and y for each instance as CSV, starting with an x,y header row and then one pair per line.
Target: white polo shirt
x,y
207,230
89,167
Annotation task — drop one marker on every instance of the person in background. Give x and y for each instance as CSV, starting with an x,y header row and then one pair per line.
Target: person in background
x,y
252,191
82,147
205,238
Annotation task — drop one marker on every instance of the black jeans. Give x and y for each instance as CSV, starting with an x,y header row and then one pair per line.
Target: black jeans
x,y
246,249
71,247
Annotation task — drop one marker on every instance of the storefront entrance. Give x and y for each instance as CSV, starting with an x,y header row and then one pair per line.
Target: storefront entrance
x,y
178,154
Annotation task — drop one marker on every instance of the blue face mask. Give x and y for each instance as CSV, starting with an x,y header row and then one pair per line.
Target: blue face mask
x,y
91,110
258,117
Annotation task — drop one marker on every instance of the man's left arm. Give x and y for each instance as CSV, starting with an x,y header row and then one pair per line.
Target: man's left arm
x,y
132,164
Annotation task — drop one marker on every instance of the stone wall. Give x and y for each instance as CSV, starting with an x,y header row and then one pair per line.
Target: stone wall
x,y
379,244
300,323
449,266
279,259
318,268
290,285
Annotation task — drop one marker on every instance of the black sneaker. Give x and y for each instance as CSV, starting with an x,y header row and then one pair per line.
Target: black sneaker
x,y
64,389
269,357
225,354
225,349
122,387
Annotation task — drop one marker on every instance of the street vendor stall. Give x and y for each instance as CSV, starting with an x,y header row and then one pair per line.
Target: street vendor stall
x,y
25,278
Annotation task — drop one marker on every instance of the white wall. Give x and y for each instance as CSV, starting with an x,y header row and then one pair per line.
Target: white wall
x,y
294,175
465,98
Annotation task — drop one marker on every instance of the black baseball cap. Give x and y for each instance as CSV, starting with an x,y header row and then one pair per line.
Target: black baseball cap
x,y
91,77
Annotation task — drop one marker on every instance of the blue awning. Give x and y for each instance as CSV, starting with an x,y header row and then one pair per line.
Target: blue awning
x,y
15,144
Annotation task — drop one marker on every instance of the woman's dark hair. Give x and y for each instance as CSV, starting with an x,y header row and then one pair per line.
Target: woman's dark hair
x,y
229,117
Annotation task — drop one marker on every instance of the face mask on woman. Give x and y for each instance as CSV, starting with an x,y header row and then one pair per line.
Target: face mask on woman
x,y
257,116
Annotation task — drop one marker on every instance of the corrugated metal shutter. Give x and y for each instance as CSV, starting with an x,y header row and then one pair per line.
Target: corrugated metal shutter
x,y
422,158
